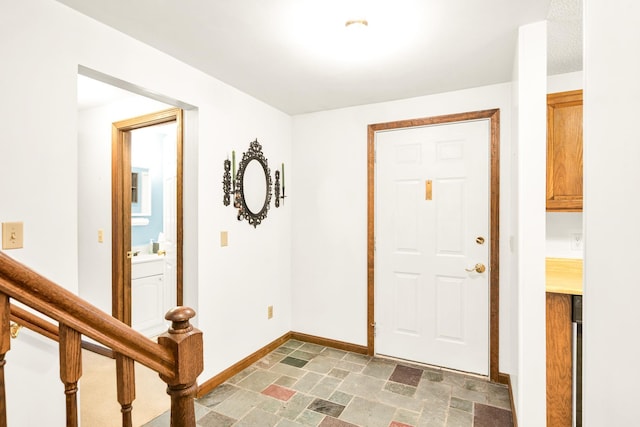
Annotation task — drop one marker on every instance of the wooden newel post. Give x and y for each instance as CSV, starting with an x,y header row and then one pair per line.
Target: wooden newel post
x,y
185,342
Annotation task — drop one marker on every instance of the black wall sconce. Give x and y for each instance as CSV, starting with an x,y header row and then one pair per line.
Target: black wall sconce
x,y
279,185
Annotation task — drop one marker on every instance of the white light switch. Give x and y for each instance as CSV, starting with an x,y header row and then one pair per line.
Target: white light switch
x,y
12,235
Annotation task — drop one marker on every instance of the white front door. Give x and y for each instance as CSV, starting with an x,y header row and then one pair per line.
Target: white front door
x,y
431,227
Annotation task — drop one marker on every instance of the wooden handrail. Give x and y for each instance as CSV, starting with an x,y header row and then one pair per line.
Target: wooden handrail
x,y
177,356
24,318
37,324
28,287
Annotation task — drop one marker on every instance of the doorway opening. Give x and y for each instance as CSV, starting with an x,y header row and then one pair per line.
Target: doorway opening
x,y
493,116
141,295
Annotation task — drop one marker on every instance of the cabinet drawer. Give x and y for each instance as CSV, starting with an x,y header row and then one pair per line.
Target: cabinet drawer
x,y
145,269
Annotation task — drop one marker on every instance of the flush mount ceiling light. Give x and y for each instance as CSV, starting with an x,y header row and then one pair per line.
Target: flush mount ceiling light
x,y
356,23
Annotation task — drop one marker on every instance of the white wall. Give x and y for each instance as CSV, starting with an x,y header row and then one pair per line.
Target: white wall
x,y
43,43
329,266
528,378
612,175
94,193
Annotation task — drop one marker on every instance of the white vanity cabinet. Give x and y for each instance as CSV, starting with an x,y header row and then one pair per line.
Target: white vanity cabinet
x,y
148,299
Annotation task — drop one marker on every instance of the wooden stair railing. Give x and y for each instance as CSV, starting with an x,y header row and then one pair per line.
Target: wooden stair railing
x,y
177,356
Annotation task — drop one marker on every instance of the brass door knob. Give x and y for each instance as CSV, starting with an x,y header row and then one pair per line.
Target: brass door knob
x,y
478,268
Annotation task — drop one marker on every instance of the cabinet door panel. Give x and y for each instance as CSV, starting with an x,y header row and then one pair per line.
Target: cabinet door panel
x,y
564,151
147,305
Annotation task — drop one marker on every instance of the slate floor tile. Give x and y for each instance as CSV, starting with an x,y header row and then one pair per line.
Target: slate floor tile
x,y
404,390
214,419
463,405
288,423
490,416
326,407
310,418
379,368
406,375
333,353
457,418
292,361
361,385
312,348
278,392
332,422
294,406
217,395
303,355
258,417
259,380
363,412
321,364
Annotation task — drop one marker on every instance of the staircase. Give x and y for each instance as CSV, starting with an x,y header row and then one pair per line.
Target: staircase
x,y
177,356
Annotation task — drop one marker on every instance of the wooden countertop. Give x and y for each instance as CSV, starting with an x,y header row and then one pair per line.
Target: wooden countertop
x,y
564,276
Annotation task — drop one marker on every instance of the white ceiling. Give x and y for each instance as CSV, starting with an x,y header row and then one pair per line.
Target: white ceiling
x,y
297,55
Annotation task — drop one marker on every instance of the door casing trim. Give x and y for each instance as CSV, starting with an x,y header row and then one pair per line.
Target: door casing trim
x,y
494,284
121,211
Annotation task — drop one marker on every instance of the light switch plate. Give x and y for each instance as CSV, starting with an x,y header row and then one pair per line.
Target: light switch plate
x,y
12,235
224,238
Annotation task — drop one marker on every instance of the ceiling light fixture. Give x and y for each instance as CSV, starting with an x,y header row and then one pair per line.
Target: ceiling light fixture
x,y
357,23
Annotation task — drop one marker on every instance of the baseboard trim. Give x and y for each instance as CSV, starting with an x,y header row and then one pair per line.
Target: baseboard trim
x,y
340,345
506,379
223,376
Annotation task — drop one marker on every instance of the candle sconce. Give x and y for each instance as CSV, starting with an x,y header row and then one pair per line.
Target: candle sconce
x,y
226,183
277,186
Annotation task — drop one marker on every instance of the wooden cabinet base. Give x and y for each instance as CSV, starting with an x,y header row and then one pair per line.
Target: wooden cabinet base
x,y
559,360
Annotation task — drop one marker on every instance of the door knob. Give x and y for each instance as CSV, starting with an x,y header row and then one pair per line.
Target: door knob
x,y
478,268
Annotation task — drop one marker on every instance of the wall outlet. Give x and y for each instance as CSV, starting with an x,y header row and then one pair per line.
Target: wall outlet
x,y
269,312
576,241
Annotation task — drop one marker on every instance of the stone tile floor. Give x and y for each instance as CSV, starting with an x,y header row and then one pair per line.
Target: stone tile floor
x,y
303,384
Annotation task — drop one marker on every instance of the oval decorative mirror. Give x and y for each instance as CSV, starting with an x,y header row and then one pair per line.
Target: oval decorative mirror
x,y
253,185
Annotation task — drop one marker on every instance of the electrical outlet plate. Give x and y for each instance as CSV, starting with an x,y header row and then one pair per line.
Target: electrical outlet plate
x,y
12,235
576,241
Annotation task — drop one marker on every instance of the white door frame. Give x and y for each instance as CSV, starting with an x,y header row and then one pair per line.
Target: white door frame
x,y
494,285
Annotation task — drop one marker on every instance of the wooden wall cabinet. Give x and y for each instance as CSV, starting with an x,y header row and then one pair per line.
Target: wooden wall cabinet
x,y
564,151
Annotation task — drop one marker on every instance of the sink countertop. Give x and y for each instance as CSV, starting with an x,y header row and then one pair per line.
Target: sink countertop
x,y
140,258
564,276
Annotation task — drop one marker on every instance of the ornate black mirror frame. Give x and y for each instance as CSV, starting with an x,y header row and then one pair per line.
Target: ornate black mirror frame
x,y
253,154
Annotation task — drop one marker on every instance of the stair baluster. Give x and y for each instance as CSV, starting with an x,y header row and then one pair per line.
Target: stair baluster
x,y
70,348
5,345
125,376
